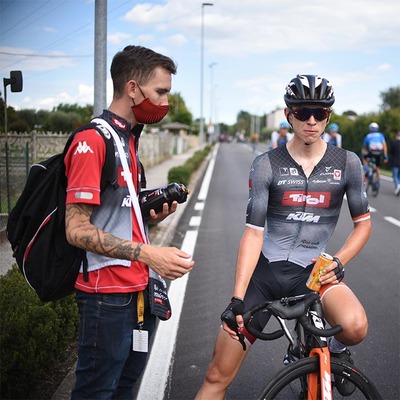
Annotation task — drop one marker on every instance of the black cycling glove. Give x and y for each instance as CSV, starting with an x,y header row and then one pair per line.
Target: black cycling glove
x,y
235,307
339,270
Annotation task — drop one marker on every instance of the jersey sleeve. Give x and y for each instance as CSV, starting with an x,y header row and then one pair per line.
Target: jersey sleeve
x,y
83,165
257,205
355,189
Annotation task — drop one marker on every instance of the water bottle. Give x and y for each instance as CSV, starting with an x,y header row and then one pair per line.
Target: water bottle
x,y
154,199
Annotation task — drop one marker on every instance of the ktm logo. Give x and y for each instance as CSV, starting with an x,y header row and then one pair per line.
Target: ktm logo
x,y
312,199
303,217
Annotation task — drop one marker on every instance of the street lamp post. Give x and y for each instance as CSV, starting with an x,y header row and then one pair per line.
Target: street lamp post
x,y
212,124
201,133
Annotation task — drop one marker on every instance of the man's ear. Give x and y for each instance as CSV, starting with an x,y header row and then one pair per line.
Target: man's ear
x,y
130,88
287,115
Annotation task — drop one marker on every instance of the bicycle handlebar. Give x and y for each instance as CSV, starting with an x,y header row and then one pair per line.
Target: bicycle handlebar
x,y
288,308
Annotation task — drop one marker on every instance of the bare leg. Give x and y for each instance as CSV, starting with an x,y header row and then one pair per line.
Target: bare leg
x,y
342,307
227,359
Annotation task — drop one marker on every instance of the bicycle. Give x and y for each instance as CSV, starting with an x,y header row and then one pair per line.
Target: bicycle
x,y
372,176
310,371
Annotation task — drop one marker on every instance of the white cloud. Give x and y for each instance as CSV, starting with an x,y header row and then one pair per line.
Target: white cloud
x,y
176,40
118,37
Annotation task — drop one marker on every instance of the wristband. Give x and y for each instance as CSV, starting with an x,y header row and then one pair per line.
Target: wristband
x,y
339,270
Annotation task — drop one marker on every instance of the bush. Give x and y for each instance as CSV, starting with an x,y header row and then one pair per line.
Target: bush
x,y
183,173
179,174
35,337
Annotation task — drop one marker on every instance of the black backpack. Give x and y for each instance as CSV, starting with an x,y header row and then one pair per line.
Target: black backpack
x,y
36,225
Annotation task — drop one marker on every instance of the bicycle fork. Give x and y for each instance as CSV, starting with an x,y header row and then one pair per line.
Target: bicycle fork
x,y
320,383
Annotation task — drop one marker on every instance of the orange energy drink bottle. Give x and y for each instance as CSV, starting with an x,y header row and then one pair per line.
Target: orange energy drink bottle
x,y
322,262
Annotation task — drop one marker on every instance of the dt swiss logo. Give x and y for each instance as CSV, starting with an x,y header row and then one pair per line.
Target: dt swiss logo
x,y
311,199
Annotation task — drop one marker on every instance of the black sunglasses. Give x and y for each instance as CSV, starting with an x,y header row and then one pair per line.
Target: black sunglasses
x,y
303,114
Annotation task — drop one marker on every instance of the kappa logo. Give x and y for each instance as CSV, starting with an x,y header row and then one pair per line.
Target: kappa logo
x,y
83,147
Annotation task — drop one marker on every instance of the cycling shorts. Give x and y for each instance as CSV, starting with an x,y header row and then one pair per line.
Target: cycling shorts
x,y
376,157
272,281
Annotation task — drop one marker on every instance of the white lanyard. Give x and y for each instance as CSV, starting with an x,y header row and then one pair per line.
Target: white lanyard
x,y
127,175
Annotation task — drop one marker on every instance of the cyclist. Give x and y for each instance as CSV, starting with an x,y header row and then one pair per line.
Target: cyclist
x,y
333,136
295,196
374,146
282,136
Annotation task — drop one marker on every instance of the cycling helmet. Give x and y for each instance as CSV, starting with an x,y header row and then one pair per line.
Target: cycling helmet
x,y
309,90
333,127
284,125
373,127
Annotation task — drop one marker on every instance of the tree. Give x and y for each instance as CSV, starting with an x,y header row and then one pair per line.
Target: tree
x,y
390,98
85,113
178,111
61,121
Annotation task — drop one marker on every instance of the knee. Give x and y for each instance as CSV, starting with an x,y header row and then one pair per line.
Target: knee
x,y
355,329
216,377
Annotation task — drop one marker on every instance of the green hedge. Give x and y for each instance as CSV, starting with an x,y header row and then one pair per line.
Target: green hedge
x,y
183,173
35,336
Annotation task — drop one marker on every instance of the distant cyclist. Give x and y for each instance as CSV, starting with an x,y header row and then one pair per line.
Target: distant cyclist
x,y
282,136
333,136
374,146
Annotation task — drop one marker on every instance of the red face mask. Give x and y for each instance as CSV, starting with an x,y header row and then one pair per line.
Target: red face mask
x,y
147,112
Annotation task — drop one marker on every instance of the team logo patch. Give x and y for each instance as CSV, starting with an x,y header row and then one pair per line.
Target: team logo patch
x,y
83,147
284,171
119,123
311,199
337,174
294,171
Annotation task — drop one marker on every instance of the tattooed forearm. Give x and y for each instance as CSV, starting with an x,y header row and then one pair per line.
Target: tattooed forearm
x,y
83,234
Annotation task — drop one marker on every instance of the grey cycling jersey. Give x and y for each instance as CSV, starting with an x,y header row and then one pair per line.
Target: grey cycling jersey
x,y
299,214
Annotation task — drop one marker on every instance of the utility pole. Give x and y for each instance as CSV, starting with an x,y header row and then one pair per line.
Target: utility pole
x,y
100,57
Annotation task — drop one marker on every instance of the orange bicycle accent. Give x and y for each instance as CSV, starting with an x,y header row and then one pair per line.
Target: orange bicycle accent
x,y
321,383
310,371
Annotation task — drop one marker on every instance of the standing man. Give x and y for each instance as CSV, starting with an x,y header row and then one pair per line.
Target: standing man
x,y
295,197
115,319
395,163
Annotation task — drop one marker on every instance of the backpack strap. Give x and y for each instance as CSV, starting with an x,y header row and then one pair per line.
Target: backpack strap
x,y
108,174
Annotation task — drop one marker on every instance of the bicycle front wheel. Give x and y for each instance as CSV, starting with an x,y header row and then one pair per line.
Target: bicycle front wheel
x,y
291,382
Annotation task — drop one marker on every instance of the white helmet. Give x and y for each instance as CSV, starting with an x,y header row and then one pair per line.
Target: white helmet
x,y
373,127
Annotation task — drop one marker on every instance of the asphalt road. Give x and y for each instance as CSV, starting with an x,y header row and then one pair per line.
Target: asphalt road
x,y
219,221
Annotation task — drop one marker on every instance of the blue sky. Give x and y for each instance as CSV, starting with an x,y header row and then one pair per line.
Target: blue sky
x,y
255,48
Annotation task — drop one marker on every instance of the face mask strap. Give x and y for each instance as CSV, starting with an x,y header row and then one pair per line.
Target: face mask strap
x,y
141,91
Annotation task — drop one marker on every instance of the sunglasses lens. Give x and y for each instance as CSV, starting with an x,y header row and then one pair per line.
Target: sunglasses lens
x,y
303,114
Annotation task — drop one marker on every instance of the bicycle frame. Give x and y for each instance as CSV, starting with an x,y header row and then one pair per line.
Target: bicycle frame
x,y
311,345
324,356
319,348
308,375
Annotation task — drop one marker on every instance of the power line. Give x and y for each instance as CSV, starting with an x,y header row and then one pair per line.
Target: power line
x,y
46,55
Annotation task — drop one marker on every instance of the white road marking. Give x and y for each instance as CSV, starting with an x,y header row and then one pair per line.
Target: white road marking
x,y
392,220
155,376
195,220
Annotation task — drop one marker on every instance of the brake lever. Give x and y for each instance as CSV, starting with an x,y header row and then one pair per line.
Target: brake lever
x,y
227,318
